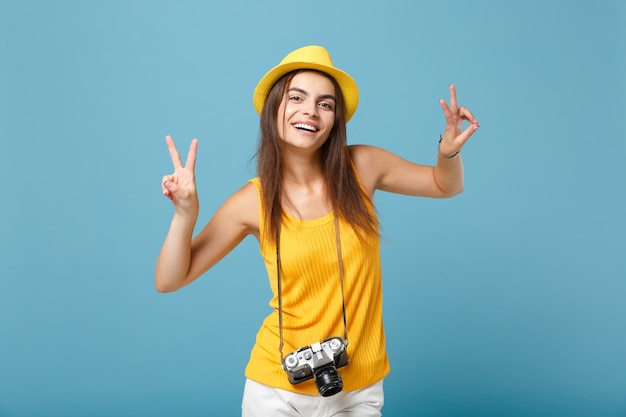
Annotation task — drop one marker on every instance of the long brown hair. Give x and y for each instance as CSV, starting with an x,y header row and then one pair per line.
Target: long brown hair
x,y
346,196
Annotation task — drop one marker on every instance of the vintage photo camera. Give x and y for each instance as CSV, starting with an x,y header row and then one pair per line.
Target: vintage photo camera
x,y
319,361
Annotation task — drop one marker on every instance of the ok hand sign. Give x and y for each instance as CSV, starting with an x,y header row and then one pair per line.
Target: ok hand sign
x,y
453,136
180,187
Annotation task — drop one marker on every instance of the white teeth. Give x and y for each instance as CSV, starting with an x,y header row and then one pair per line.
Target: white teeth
x,y
305,127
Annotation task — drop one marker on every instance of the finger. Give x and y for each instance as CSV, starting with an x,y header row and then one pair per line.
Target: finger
x,y
466,134
170,188
446,109
467,115
191,156
454,105
165,179
173,152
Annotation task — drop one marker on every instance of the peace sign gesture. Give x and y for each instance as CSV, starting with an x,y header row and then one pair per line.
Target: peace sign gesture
x,y
180,187
454,137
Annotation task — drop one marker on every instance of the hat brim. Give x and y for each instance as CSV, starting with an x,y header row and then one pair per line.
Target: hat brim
x,y
347,84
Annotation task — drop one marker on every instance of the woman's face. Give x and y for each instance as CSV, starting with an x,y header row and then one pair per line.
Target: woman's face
x,y
307,112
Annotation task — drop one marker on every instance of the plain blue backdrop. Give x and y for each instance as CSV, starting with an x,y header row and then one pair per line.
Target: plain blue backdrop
x,y
508,300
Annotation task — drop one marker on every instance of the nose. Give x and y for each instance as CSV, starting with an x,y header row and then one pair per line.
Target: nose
x,y
310,108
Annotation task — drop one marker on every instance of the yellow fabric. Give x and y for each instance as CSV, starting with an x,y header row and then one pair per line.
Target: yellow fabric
x,y
311,294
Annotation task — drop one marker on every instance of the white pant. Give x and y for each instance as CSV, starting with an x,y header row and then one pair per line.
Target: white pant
x,y
262,401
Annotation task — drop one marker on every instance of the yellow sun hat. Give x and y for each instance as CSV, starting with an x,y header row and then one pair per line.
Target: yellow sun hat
x,y
309,57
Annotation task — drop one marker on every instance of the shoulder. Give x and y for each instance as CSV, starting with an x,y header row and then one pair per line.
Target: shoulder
x,y
366,160
243,207
246,198
248,192
361,154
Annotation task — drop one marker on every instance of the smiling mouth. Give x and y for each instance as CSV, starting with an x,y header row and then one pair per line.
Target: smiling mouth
x,y
305,127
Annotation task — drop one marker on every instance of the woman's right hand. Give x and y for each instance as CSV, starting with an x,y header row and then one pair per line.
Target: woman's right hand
x,y
180,187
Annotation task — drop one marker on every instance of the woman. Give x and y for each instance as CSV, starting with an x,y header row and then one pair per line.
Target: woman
x,y
311,209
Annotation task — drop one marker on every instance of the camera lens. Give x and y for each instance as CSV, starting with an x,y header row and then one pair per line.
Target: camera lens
x,y
328,381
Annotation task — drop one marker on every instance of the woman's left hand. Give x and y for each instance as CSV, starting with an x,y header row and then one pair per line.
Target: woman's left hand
x,y
453,136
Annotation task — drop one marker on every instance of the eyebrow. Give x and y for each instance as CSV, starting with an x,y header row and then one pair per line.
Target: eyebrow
x,y
322,97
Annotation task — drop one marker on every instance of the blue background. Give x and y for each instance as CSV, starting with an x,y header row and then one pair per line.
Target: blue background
x,y
507,300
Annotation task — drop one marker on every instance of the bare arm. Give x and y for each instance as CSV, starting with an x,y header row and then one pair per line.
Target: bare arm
x,y
383,170
182,258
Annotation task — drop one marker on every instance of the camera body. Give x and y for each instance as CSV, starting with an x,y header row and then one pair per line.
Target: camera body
x,y
319,361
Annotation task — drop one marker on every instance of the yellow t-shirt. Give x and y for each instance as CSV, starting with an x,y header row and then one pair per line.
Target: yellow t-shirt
x,y
311,297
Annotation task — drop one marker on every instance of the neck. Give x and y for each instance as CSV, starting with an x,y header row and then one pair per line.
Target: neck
x,y
300,169
304,188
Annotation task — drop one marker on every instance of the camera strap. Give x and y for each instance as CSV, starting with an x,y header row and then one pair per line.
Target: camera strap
x,y
278,275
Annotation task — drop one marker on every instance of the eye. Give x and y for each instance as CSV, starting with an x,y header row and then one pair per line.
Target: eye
x,y
326,105
295,98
